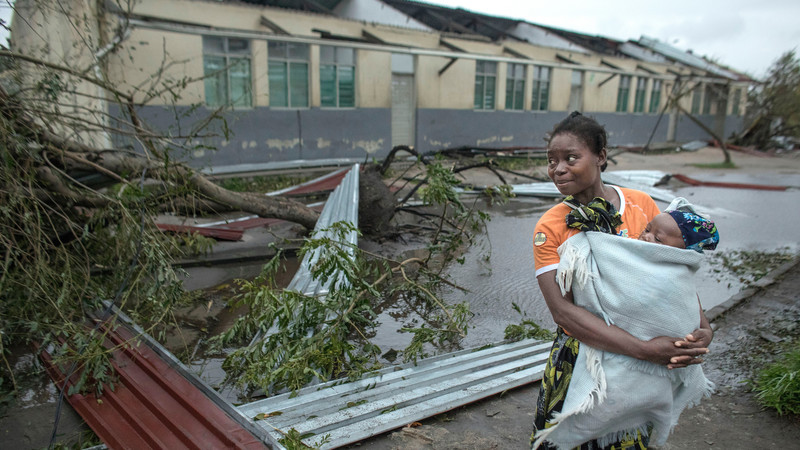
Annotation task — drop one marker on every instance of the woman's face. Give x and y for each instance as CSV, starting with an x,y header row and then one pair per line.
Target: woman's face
x,y
572,165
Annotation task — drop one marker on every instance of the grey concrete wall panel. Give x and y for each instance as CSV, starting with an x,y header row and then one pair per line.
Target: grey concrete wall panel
x,y
690,131
632,129
262,135
449,128
733,125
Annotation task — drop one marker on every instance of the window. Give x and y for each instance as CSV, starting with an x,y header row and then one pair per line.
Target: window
x,y
515,86
337,76
641,92
226,66
697,98
623,93
655,96
541,88
576,91
737,99
288,75
485,75
711,98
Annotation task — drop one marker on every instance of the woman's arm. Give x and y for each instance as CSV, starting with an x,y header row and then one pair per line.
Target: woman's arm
x,y
592,330
699,338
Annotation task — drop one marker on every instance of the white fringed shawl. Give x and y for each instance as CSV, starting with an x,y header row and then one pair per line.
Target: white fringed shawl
x,y
648,290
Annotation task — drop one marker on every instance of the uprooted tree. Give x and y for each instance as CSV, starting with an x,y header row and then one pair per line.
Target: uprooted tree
x,y
77,229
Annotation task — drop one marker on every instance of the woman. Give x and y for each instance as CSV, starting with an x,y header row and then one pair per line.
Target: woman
x,y
576,157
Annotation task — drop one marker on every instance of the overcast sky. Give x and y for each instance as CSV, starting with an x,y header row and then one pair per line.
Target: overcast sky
x,y
747,35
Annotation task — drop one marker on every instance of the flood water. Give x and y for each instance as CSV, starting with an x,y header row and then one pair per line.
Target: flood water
x,y
748,220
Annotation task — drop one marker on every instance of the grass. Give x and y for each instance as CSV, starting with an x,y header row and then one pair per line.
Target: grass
x,y
720,165
777,386
262,183
750,266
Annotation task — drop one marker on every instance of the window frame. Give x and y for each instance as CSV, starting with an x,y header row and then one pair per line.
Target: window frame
x,y
337,72
540,92
515,85
640,95
576,90
230,58
736,101
697,99
623,93
655,96
483,75
290,64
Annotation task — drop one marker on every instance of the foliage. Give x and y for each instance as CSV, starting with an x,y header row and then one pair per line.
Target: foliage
x,y
526,329
74,233
261,183
777,386
750,266
60,262
774,107
301,338
517,163
293,440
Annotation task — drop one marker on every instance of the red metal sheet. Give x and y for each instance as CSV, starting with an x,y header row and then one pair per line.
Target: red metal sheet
x,y
225,234
152,406
693,182
321,184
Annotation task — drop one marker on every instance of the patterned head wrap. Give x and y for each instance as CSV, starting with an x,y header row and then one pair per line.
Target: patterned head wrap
x,y
698,232
599,215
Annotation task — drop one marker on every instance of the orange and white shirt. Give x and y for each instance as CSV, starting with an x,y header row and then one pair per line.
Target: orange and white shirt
x,y
636,208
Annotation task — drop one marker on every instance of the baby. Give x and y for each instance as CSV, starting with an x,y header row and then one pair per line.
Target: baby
x,y
682,229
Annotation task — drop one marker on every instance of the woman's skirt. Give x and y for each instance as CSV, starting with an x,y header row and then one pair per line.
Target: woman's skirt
x,y
557,375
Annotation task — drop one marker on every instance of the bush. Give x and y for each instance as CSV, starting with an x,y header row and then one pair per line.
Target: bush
x,y
777,386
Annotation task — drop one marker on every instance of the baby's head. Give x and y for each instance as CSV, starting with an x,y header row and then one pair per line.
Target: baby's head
x,y
682,230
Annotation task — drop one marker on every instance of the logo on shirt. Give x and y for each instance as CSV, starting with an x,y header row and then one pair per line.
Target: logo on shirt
x,y
623,233
539,239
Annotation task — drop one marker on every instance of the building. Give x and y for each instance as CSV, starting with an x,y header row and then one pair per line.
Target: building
x,y
308,82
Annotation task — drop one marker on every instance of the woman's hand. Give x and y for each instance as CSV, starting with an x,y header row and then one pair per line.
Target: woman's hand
x,y
698,339
664,350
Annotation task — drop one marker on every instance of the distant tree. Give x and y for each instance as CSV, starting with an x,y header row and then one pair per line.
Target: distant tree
x,y
774,108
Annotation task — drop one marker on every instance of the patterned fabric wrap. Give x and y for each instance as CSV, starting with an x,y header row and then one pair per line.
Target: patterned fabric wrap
x,y
553,390
646,290
599,215
698,232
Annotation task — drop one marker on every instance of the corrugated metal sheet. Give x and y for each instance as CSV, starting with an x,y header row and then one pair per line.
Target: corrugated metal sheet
x,y
344,413
342,205
643,180
154,406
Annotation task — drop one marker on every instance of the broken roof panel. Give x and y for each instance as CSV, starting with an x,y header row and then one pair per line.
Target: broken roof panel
x,y
376,11
457,20
598,44
537,35
686,58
